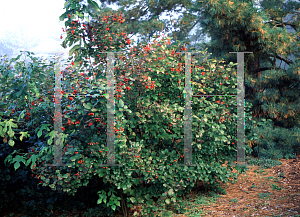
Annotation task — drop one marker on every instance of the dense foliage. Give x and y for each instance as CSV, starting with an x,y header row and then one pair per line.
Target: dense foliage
x,y
148,124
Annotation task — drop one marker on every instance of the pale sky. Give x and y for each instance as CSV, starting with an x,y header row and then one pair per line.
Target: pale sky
x,y
34,25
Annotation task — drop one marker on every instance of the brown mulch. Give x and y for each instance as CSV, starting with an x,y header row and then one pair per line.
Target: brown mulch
x,y
284,202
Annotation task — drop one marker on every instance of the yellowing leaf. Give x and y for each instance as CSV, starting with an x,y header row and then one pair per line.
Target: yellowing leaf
x,y
230,3
262,31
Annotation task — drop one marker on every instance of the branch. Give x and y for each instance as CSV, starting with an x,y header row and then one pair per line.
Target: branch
x,y
193,25
283,24
280,58
285,60
138,15
266,68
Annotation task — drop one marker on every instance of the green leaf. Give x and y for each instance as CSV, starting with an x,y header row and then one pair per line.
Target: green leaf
x,y
117,202
16,165
94,5
90,13
147,196
87,106
19,93
171,192
132,199
11,143
73,49
168,201
24,134
32,159
44,127
121,103
66,4
52,186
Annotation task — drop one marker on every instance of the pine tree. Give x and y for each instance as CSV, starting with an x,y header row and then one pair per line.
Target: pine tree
x,y
238,26
277,15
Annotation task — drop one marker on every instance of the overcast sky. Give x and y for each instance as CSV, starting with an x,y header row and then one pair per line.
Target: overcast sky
x,y
34,25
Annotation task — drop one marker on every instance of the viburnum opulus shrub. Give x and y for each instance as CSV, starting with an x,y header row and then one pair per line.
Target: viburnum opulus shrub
x,y
146,129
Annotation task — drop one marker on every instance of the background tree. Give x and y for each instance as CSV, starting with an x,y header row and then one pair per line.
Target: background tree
x,y
262,62
274,92
145,28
